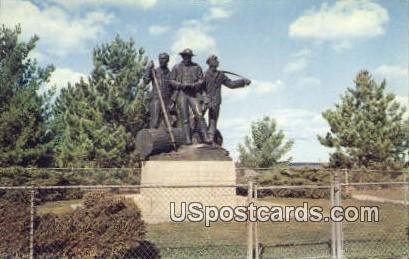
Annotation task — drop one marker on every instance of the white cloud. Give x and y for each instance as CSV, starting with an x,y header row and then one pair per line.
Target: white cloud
x,y
237,126
219,2
39,56
59,32
342,45
62,76
158,29
388,71
305,52
300,125
217,13
264,87
300,60
309,81
396,76
144,4
255,88
196,38
342,20
296,65
196,33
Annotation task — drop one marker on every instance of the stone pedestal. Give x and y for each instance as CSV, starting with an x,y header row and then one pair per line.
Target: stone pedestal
x,y
180,173
169,181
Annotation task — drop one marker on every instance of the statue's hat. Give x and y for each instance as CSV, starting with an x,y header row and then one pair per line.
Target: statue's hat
x,y
211,58
164,55
187,52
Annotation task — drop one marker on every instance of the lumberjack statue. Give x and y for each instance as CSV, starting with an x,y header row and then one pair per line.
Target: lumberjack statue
x,y
187,79
194,94
214,79
164,88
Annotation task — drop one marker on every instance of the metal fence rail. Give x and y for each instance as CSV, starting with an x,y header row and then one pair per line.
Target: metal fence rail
x,y
26,210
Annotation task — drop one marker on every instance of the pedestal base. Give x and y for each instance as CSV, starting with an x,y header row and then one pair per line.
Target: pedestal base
x,y
185,181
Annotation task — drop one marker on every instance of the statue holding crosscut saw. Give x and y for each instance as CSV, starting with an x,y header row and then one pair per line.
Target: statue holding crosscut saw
x,y
213,81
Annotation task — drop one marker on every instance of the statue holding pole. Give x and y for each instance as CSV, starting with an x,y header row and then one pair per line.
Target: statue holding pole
x,y
161,93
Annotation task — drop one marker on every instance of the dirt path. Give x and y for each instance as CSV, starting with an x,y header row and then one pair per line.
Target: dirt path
x,y
365,197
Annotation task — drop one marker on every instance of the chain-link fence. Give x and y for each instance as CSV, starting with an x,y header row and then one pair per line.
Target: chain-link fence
x,y
389,236
64,224
296,238
130,220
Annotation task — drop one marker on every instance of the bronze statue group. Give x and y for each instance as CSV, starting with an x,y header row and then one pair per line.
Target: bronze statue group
x,y
184,95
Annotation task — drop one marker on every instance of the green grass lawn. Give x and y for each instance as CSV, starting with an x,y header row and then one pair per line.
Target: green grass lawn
x,y
191,240
387,238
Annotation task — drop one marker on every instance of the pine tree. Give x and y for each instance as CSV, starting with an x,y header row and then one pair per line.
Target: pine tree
x,y
366,127
265,147
24,114
406,142
97,119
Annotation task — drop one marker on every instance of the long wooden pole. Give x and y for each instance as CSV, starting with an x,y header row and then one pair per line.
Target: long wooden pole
x,y
165,112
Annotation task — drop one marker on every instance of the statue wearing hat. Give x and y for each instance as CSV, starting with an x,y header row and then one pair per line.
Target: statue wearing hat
x,y
213,80
162,75
187,79
194,94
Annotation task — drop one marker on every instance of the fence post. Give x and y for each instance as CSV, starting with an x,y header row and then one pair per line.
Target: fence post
x,y
333,230
346,181
406,190
249,222
336,227
256,241
340,238
32,199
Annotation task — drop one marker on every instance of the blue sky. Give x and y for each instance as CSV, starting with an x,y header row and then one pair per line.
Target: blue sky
x,y
301,55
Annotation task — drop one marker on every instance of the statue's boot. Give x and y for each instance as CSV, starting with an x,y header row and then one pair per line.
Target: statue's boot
x,y
186,132
210,137
203,131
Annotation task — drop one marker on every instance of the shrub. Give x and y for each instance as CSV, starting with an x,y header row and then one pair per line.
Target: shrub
x,y
103,227
285,176
14,223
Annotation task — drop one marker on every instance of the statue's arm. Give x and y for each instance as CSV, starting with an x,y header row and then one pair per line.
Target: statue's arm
x,y
200,81
173,76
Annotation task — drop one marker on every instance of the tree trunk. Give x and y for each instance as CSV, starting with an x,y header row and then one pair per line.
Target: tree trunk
x,y
155,141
